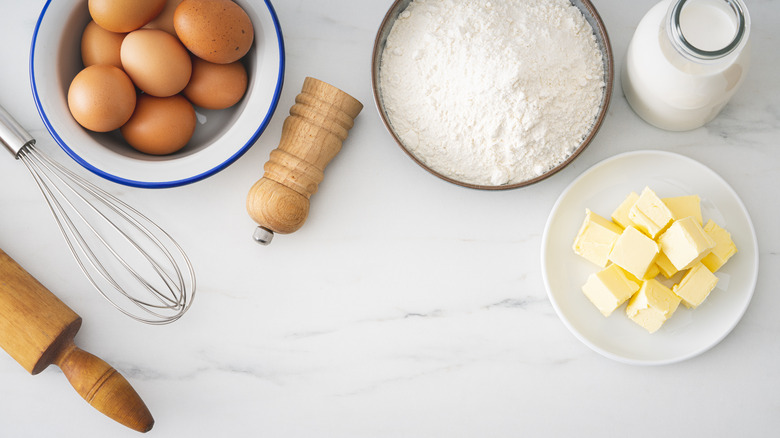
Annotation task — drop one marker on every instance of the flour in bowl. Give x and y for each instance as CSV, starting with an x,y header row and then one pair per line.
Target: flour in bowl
x,y
491,92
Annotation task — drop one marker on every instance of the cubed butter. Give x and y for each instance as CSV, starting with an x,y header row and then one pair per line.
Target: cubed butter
x,y
650,214
652,305
684,206
665,266
609,288
724,247
652,271
695,286
634,252
620,215
596,237
685,243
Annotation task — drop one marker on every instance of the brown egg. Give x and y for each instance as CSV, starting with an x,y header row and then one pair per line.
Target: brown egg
x,y
101,98
218,31
99,46
164,21
216,86
156,62
160,125
123,16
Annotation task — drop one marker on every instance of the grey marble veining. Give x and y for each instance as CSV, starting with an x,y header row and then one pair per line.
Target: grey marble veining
x,y
406,306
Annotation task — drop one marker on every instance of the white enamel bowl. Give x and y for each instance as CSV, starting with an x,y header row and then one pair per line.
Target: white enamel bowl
x,y
221,136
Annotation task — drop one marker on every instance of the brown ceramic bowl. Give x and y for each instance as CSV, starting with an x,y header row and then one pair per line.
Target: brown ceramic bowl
x,y
602,39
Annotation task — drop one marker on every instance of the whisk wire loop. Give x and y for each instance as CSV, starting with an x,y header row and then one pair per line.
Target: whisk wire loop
x,y
94,191
166,301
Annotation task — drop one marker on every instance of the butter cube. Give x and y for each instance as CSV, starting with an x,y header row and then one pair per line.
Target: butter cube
x,y
596,237
665,266
650,214
620,215
724,247
634,252
652,305
685,243
653,271
609,288
684,206
695,286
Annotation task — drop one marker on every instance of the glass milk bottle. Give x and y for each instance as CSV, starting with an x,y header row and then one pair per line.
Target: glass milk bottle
x,y
686,60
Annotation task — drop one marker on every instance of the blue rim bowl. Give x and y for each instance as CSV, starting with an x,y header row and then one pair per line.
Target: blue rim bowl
x,y
220,138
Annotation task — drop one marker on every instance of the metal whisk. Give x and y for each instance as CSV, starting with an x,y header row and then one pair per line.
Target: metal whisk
x,y
129,259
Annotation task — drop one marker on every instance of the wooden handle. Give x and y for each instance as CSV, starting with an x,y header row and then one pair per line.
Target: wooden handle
x,y
311,136
37,329
34,324
104,388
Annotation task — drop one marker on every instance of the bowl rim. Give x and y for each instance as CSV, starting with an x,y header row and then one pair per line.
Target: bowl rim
x,y
160,184
609,73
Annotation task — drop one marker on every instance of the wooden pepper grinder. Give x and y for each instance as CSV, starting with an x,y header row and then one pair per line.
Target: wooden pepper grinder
x,y
37,329
312,135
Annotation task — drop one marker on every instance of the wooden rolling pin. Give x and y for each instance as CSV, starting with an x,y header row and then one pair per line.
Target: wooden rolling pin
x,y
312,135
37,329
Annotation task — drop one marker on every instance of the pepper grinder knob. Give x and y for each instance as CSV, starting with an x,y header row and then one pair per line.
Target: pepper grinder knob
x,y
312,135
263,236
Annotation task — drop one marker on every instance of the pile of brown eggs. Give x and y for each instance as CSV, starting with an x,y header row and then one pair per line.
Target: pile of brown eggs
x,y
147,62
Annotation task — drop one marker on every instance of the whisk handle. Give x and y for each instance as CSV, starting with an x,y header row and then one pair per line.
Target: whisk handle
x,y
13,136
104,388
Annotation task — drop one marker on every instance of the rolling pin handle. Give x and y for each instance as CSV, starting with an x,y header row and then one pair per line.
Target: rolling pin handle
x,y
263,236
104,388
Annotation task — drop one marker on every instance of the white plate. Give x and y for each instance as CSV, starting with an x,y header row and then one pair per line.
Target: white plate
x,y
602,188
221,136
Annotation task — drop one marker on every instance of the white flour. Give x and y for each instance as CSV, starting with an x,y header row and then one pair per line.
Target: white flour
x,y
491,92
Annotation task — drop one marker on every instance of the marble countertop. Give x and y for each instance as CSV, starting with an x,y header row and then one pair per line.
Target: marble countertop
x,y
406,306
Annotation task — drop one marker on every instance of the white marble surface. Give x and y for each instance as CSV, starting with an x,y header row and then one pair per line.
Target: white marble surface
x,y
406,307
